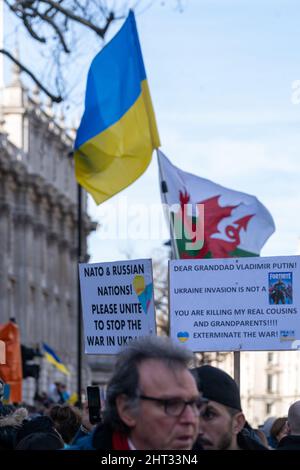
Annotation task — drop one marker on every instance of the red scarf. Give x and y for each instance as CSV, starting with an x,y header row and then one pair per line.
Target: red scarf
x,y
119,441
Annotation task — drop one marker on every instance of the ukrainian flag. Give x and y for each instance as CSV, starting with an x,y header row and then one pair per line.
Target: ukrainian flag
x,y
118,132
53,358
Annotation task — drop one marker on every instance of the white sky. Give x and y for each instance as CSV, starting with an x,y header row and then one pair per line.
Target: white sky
x,y
220,75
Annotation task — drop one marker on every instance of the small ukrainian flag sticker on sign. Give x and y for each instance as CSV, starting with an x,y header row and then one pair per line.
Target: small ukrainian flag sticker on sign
x,y
183,336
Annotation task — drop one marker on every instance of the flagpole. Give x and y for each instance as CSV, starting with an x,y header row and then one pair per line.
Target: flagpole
x,y
237,367
175,253
164,190
79,325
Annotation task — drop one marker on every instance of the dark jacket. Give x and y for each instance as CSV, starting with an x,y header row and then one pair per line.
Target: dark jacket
x,y
244,440
248,442
289,443
101,438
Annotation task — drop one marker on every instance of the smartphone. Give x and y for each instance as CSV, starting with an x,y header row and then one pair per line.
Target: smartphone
x,y
94,404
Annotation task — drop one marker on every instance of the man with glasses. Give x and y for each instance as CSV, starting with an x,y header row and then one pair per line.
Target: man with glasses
x,y
152,400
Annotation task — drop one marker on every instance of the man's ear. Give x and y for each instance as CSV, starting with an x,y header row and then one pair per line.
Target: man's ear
x,y
124,411
238,422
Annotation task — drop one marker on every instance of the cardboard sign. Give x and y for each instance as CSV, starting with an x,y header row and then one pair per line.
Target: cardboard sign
x,y
117,304
236,303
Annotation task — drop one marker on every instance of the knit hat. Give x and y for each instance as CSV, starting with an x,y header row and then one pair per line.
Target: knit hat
x,y
34,424
41,441
217,385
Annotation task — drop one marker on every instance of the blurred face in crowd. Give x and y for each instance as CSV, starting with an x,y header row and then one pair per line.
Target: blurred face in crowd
x,y
283,432
163,420
218,427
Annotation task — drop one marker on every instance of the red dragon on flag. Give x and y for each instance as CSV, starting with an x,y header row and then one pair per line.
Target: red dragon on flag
x,y
213,214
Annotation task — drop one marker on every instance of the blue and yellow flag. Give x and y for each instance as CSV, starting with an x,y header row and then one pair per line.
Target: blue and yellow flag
x,y
53,358
118,132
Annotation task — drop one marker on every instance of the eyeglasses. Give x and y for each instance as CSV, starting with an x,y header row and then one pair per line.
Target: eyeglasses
x,y
175,406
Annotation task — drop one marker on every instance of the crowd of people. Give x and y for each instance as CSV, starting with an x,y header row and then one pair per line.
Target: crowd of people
x,y
154,401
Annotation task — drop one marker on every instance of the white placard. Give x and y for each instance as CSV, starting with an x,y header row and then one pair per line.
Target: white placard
x,y
236,303
117,304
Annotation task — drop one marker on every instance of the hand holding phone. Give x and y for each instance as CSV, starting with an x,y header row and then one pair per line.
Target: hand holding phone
x,y
94,404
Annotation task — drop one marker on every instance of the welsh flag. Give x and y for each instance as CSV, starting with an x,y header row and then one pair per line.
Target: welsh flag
x,y
210,221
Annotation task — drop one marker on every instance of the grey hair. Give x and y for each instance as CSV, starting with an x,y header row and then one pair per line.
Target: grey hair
x,y
125,379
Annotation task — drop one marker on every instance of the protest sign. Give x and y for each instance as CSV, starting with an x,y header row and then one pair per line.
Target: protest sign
x,y
236,303
117,304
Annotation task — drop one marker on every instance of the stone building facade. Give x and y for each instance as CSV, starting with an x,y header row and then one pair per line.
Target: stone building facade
x,y
269,382
38,230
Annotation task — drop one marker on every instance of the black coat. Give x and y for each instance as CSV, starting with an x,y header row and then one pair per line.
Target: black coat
x,y
99,439
289,443
102,437
244,440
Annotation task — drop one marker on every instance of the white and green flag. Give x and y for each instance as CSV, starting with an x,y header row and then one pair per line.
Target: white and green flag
x,y
209,220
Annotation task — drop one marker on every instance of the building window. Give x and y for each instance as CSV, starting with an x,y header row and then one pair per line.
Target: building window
x,y
269,408
270,383
270,358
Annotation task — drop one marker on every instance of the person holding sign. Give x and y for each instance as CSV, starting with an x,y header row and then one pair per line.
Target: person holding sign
x,y
152,400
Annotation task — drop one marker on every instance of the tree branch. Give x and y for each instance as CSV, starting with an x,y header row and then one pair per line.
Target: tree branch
x,y
54,23
31,30
69,14
50,21
55,99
